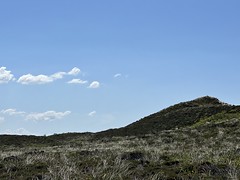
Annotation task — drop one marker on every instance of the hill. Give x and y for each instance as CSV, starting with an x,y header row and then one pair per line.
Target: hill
x,y
197,139
184,114
177,116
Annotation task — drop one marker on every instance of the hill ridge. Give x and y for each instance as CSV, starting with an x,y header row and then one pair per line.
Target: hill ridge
x,y
179,115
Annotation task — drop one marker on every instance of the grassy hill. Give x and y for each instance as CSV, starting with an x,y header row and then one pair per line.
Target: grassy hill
x,y
177,116
198,139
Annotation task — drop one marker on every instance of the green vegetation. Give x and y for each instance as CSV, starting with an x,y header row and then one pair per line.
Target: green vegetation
x,y
177,116
203,145
218,118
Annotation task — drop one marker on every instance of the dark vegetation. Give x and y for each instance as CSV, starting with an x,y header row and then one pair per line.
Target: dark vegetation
x,y
177,116
198,139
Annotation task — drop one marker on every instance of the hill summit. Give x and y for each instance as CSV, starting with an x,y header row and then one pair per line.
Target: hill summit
x,y
205,101
176,116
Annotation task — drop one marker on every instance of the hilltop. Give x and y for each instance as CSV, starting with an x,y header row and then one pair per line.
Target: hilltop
x,y
177,116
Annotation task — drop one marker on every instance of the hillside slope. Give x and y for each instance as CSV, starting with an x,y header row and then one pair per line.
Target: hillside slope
x,y
198,139
177,116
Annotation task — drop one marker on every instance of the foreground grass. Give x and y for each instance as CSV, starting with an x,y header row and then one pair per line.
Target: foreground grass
x,y
208,151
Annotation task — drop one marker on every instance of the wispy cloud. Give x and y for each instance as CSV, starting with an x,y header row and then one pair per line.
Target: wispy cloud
x,y
93,113
94,85
20,131
39,79
12,112
75,71
47,116
58,75
5,75
77,81
27,79
44,79
36,116
117,75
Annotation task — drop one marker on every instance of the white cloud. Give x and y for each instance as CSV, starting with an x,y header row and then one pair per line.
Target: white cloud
x,y
47,116
39,79
43,79
94,85
58,75
5,76
26,79
12,112
75,71
93,113
77,81
2,119
44,116
20,131
117,75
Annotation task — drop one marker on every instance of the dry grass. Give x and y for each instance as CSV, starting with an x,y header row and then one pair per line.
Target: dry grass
x,y
185,153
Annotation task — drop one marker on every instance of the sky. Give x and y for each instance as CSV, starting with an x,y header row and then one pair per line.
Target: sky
x,y
87,66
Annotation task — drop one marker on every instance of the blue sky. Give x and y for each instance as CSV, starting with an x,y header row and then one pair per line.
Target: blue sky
x,y
76,66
